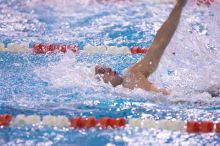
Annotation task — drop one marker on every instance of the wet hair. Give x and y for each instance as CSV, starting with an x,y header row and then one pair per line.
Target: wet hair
x,y
101,72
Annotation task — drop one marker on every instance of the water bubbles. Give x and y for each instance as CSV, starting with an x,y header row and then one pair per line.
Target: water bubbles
x,y
199,28
212,48
170,72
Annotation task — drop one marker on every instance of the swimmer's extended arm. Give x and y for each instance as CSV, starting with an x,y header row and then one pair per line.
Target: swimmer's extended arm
x,y
136,76
152,58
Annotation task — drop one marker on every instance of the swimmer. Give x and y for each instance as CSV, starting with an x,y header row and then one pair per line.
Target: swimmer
x,y
137,75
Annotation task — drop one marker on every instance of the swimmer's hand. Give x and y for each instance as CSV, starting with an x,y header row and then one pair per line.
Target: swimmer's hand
x,y
181,3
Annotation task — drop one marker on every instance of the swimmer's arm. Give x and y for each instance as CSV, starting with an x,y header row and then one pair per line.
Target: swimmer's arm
x,y
138,80
146,85
159,90
151,87
151,59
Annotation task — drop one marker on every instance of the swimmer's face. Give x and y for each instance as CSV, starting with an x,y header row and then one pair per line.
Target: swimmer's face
x,y
108,75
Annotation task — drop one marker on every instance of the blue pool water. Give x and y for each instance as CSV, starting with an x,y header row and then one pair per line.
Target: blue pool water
x,y
58,84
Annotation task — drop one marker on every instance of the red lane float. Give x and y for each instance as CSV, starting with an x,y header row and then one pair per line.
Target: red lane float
x,y
204,127
91,122
217,128
52,48
138,50
207,126
193,126
113,123
107,122
205,2
120,122
77,122
5,120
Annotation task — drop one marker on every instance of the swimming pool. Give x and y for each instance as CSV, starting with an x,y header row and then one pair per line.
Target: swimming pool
x,y
57,84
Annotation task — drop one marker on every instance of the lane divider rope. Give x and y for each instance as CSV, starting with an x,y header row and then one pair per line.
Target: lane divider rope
x,y
62,48
79,122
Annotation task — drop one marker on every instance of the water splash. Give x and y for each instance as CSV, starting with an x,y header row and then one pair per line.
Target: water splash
x,y
67,73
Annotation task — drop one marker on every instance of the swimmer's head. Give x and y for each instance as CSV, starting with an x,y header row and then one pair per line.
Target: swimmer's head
x,y
108,75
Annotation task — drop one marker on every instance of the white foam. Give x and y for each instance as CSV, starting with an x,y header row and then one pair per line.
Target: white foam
x,y
67,73
193,66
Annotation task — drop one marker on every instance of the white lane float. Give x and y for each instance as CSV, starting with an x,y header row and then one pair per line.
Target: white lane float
x,y
21,120
62,121
53,121
33,120
125,50
178,125
15,47
118,50
164,124
160,124
90,49
135,123
49,120
112,50
101,49
149,123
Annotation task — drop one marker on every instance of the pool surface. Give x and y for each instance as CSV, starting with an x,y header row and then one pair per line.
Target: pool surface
x,y
61,84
